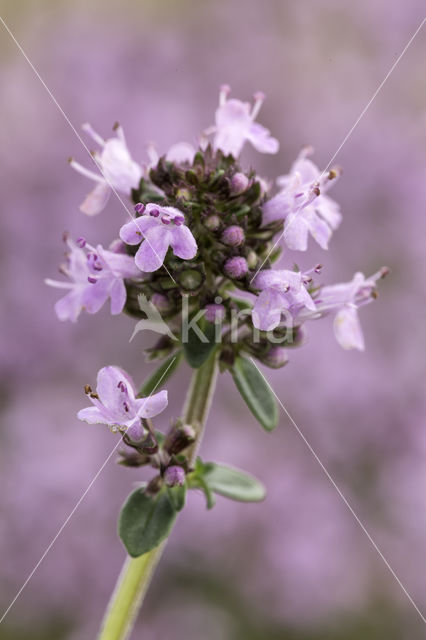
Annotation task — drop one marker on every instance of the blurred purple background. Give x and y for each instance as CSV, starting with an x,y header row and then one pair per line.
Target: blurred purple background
x,y
298,566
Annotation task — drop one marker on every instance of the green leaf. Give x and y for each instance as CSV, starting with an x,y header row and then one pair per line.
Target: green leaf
x,y
255,392
177,496
145,521
200,342
234,484
160,376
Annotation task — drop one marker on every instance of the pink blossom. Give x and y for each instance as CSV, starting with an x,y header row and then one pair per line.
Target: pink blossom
x,y
303,205
118,170
281,290
115,404
96,275
346,299
235,124
155,230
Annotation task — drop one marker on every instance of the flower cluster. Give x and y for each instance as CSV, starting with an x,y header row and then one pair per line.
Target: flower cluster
x,y
202,260
207,243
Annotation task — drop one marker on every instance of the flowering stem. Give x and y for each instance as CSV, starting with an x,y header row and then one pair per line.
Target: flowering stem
x,y
136,573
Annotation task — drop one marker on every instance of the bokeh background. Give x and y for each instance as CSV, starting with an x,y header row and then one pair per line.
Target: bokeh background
x,y
298,566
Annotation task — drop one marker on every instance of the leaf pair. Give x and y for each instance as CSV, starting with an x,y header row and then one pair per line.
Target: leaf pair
x,y
145,520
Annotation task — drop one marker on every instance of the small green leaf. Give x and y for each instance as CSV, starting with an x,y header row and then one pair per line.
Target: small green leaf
x,y
256,392
145,521
160,376
234,484
200,342
177,496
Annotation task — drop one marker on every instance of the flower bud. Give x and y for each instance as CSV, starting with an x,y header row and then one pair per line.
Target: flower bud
x,y
236,268
275,358
233,236
174,476
190,280
212,223
214,312
136,433
183,193
179,437
161,302
239,183
251,259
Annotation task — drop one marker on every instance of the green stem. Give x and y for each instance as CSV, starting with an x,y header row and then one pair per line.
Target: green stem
x,y
136,573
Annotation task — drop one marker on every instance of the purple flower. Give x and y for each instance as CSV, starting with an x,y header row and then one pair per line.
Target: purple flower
x,y
303,205
115,404
281,290
117,168
157,229
96,275
346,298
235,125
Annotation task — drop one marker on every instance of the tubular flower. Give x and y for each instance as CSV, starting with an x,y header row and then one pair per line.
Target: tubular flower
x,y
281,291
346,299
115,404
303,204
96,274
235,124
118,170
155,230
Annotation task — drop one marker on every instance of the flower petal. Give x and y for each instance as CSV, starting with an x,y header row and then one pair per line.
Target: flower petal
x,y
94,296
96,200
329,210
92,415
347,328
266,314
133,232
296,232
181,152
183,243
152,405
319,229
118,296
151,253
109,392
277,208
261,139
69,307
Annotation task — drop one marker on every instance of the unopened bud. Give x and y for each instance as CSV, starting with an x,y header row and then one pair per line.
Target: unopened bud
x,y
239,183
183,193
178,438
236,268
212,223
174,476
214,312
190,280
275,358
251,259
161,302
233,236
136,433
